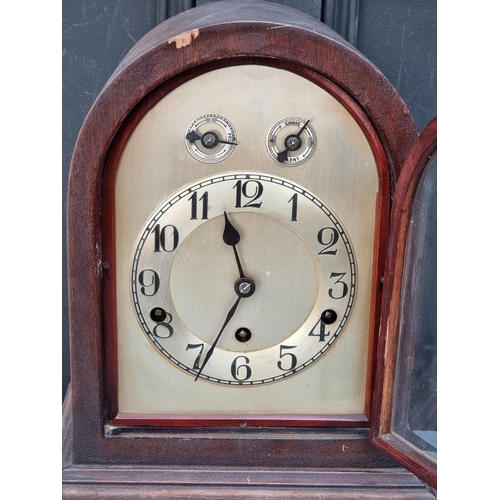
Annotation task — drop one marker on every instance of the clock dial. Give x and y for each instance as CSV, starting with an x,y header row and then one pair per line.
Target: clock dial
x,y
291,141
220,245
210,138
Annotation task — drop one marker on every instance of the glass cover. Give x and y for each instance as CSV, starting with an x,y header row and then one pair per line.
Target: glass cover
x,y
415,417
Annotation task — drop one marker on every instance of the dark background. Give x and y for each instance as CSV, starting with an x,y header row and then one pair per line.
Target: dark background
x,y
398,36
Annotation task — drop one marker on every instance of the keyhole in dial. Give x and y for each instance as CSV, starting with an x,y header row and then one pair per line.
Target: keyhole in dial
x,y
293,142
328,316
210,140
158,314
243,334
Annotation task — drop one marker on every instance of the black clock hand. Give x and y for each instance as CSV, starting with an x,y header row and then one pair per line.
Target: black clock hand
x,y
292,142
230,314
208,139
244,286
231,237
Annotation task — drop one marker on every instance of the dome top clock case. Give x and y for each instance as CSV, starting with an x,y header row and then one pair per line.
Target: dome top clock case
x,y
228,223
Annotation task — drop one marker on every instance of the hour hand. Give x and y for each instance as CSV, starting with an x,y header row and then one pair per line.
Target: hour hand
x,y
231,237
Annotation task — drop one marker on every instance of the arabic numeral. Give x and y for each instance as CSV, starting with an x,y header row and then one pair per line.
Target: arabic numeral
x,y
161,238
194,205
149,281
322,331
242,189
328,237
294,201
292,359
196,364
241,372
340,288
164,325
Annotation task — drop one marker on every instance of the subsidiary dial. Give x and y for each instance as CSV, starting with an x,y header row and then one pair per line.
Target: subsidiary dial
x,y
210,138
291,141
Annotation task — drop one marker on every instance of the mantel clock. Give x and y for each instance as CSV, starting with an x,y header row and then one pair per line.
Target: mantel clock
x,y
229,222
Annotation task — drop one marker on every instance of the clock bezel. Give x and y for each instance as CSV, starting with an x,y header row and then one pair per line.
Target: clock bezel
x,y
310,49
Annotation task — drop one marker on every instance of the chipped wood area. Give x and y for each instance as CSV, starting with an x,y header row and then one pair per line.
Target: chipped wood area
x,y
184,39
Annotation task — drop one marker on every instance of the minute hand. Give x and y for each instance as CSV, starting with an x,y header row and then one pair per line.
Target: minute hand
x,y
230,314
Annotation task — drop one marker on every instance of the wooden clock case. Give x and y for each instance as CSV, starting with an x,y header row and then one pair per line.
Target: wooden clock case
x,y
101,459
392,330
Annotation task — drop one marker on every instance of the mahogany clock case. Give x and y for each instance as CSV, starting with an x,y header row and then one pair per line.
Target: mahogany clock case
x,y
400,325
196,42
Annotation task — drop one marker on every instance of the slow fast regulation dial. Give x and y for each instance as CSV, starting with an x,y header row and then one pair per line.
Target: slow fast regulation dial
x,y
210,138
214,293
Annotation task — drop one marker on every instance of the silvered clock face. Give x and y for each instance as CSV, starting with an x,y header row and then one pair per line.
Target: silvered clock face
x,y
284,328
243,279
